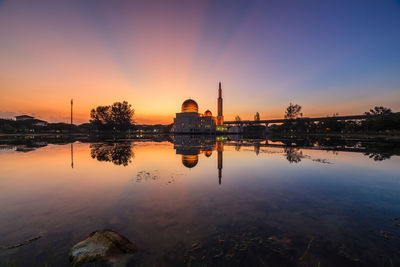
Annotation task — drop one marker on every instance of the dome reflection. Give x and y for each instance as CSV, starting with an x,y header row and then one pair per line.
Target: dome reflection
x,y
190,161
208,153
190,147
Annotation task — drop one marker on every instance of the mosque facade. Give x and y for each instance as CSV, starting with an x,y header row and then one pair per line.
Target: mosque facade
x,y
190,121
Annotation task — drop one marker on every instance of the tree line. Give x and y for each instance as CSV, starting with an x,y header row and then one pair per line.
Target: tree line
x,y
116,117
384,120
120,117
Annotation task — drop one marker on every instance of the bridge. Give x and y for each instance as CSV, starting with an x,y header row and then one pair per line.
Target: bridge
x,y
307,119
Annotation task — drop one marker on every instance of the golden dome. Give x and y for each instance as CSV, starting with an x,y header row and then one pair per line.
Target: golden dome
x,y
208,113
190,160
190,106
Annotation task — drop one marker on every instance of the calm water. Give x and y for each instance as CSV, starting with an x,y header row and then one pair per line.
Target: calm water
x,y
204,202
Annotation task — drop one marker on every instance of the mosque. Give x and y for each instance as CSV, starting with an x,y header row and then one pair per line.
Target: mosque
x,y
190,121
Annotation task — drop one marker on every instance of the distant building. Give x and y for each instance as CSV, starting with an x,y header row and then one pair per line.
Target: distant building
x,y
31,120
36,122
23,118
190,121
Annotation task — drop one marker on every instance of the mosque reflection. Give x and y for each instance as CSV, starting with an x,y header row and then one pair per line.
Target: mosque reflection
x,y
190,147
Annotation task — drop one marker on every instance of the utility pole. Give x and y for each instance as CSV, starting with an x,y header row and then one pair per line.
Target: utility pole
x,y
72,104
72,125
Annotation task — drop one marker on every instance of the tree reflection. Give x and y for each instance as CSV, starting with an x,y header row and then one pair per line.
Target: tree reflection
x,y
238,146
378,156
379,151
293,155
117,153
257,148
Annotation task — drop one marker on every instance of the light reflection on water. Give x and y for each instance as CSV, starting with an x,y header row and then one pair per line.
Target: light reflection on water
x,y
205,201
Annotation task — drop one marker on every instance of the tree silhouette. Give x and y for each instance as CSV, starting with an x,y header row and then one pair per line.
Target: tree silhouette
x,y
238,120
118,116
379,111
293,111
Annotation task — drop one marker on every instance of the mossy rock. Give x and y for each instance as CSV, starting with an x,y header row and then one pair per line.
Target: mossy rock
x,y
101,245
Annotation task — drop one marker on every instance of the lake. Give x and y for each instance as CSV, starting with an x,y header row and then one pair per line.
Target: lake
x,y
203,201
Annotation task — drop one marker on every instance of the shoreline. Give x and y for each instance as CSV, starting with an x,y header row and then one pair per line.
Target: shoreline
x,y
356,136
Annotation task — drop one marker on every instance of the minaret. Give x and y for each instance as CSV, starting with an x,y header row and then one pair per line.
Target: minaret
x,y
220,117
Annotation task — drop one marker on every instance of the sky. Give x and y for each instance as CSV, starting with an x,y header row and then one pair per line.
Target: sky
x,y
339,56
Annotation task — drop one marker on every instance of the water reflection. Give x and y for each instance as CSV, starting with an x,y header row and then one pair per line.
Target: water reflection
x,y
381,151
72,155
293,155
376,156
191,146
117,153
378,150
265,213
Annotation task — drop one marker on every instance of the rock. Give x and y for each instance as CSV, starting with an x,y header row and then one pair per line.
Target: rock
x,y
102,245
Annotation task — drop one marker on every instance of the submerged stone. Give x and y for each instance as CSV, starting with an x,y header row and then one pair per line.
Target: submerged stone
x,y
102,245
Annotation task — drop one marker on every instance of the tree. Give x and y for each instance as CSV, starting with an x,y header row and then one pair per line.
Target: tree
x,y
238,119
257,117
122,115
293,111
379,111
100,117
118,116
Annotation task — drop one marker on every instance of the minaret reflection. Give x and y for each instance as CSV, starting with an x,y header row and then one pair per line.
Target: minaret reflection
x,y
220,149
191,146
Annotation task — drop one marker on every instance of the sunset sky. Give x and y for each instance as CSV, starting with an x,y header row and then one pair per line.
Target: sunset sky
x,y
328,56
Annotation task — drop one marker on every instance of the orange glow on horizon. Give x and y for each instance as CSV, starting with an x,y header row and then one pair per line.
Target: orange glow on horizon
x,y
155,56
